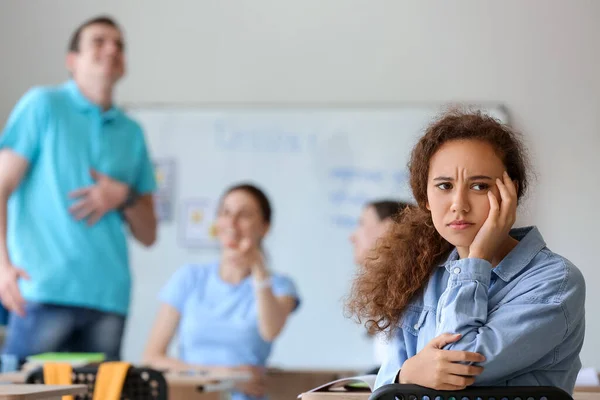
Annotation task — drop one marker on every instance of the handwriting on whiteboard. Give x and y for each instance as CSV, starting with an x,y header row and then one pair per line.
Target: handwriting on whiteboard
x,y
352,187
264,140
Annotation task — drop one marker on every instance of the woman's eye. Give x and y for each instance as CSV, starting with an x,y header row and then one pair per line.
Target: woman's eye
x,y
444,186
480,186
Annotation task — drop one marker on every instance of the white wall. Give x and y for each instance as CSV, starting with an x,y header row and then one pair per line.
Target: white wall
x,y
539,58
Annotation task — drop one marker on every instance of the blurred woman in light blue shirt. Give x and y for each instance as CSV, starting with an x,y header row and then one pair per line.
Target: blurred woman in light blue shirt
x,y
470,300
228,313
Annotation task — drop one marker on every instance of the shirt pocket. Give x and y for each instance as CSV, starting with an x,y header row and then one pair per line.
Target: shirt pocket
x,y
414,319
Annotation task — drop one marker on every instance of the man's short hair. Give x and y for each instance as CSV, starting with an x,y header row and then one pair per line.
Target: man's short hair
x,y
76,36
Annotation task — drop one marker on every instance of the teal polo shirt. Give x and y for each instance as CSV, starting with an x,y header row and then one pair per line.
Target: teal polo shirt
x,y
63,135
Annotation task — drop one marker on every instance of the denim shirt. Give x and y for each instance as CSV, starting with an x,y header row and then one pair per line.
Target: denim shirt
x,y
526,316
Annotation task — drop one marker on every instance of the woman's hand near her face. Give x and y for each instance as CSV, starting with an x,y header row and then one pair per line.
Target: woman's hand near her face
x,y
500,220
251,255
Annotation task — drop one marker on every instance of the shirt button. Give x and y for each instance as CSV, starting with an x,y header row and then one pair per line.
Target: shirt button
x,y
456,270
416,327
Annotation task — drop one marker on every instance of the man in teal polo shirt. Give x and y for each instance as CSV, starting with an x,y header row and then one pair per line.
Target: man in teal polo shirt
x,y
75,177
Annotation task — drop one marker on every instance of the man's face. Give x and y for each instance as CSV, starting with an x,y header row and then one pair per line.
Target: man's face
x,y
100,56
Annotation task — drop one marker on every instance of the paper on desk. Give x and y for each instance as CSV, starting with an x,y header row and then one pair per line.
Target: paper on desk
x,y
368,380
587,377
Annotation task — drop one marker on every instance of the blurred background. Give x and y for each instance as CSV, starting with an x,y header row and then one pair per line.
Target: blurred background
x,y
535,61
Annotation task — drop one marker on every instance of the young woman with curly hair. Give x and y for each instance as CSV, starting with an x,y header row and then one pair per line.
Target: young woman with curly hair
x,y
468,299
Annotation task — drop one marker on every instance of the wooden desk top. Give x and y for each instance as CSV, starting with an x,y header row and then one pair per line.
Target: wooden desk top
x,y
13,377
336,396
177,378
586,395
35,392
198,379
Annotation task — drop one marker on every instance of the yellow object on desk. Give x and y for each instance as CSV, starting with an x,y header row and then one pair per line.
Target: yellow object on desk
x,y
109,378
58,374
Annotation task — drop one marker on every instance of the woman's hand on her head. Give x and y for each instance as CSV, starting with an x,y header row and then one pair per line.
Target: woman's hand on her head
x,y
500,220
439,369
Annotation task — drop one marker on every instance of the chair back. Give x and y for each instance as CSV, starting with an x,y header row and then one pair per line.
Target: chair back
x,y
397,391
140,383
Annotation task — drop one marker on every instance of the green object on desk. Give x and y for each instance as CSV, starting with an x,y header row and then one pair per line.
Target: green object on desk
x,y
357,386
78,358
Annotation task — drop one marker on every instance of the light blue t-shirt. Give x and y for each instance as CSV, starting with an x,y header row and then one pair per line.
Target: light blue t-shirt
x,y
63,135
219,323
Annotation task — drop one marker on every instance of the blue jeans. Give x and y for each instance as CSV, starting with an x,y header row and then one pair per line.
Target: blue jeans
x,y
51,328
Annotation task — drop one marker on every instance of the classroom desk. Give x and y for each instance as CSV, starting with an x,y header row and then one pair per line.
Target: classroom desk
x,y
587,389
286,384
39,392
203,386
336,396
586,395
365,396
181,386
13,377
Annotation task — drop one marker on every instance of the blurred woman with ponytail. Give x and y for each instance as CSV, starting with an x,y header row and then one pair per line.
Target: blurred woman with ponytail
x,y
376,217
469,299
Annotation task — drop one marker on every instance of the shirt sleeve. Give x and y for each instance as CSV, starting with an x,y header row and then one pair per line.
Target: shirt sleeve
x,y
26,124
393,362
530,323
284,286
177,290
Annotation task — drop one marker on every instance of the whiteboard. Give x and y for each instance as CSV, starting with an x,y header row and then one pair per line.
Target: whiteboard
x,y
318,166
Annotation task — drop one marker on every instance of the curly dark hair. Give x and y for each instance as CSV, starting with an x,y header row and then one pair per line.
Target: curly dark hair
x,y
406,256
